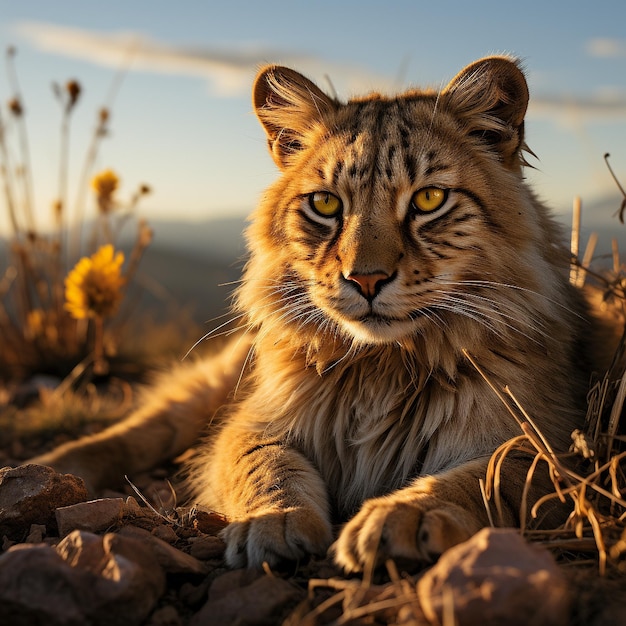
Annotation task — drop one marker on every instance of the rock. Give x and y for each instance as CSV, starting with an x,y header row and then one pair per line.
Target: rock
x,y
94,516
165,616
209,522
38,587
36,533
206,547
231,580
165,533
6,543
139,515
87,579
195,596
172,560
246,597
132,508
129,577
495,578
30,494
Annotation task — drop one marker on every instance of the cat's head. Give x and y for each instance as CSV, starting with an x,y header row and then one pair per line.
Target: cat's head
x,y
391,214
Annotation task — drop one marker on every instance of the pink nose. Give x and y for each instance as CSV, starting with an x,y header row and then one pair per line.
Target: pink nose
x,y
369,284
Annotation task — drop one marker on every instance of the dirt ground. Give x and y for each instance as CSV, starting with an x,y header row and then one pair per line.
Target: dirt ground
x,y
202,590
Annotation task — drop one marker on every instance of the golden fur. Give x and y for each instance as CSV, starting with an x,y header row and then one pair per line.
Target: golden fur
x,y
357,403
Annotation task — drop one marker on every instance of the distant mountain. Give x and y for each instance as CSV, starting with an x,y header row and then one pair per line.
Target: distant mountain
x,y
211,238
192,265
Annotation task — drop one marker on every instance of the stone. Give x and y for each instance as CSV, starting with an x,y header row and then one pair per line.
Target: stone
x,y
171,559
165,616
165,533
38,587
195,596
30,494
206,547
209,522
36,533
7,543
246,597
87,579
495,578
132,507
94,515
233,579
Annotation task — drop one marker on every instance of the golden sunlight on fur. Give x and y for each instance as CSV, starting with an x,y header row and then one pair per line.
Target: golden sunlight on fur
x,y
399,233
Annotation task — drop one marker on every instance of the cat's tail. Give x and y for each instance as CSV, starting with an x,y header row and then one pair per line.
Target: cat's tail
x,y
172,413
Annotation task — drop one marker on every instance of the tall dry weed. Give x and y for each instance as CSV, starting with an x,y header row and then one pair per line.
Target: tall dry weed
x,y
61,288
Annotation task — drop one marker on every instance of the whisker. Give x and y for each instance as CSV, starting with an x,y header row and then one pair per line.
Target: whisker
x,y
243,369
278,289
496,309
460,307
489,284
212,333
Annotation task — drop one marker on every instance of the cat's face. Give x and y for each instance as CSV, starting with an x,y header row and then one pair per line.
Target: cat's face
x,y
383,220
391,214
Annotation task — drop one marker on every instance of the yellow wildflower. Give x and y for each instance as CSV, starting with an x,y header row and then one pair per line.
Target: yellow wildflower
x,y
94,287
105,184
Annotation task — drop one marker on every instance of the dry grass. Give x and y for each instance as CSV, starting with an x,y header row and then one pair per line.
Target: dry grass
x,y
595,486
39,335
39,330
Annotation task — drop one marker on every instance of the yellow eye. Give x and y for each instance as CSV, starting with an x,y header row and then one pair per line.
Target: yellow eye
x,y
429,199
325,203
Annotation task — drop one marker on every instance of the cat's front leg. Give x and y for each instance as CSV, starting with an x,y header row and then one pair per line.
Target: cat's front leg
x,y
273,496
171,415
416,523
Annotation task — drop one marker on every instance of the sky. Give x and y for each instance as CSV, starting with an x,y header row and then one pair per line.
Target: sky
x,y
181,117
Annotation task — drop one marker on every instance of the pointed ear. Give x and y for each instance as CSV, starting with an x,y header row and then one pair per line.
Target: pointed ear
x,y
288,105
491,97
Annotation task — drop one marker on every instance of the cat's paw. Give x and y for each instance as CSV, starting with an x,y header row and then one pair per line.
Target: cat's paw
x,y
406,530
275,537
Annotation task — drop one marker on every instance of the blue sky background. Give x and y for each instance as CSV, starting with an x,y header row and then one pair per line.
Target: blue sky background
x,y
182,121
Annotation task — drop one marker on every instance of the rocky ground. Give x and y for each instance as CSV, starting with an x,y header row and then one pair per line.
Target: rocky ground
x,y
133,557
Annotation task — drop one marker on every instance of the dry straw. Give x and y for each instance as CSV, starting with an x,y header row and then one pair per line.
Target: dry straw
x,y
595,488
60,292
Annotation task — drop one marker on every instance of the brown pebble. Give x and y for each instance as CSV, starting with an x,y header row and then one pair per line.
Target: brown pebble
x,y
195,596
7,543
210,522
166,533
165,616
30,494
94,516
36,533
207,547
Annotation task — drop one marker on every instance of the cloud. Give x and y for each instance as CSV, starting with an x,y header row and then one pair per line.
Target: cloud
x,y
606,106
229,70
606,48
